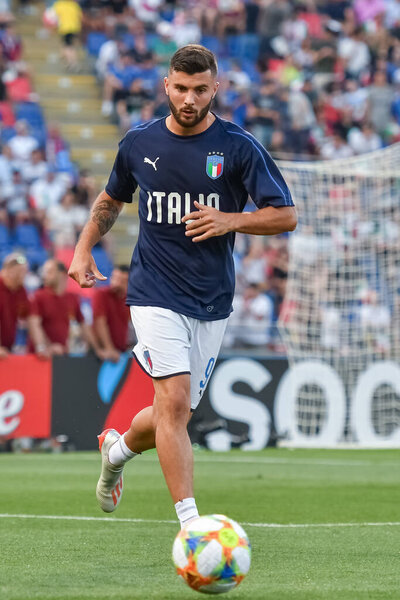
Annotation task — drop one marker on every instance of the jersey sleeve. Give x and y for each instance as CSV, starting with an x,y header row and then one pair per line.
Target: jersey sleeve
x,y
121,184
261,177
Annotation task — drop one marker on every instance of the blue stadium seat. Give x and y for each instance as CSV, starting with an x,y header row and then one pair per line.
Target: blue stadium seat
x,y
212,43
5,239
40,133
94,42
6,134
245,45
31,112
250,68
103,262
129,40
26,236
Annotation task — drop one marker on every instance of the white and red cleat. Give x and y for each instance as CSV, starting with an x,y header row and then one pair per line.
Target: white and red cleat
x,y
109,486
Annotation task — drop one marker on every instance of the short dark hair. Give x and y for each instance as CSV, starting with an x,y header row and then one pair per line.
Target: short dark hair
x,y
192,59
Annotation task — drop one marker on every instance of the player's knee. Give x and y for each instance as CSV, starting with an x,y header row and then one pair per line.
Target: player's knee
x,y
173,408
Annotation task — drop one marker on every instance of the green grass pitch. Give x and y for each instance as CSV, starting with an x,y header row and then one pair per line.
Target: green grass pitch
x,y
343,542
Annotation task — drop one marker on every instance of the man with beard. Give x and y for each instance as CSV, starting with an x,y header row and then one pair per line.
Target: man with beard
x,y
195,172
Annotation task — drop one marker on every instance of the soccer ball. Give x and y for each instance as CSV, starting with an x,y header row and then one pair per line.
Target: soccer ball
x,y
212,554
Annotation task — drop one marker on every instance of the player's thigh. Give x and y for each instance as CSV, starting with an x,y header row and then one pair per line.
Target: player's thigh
x,y
163,345
206,343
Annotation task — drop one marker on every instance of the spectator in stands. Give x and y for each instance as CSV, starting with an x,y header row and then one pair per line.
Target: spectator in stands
x,y
65,221
6,167
302,119
69,15
15,308
336,146
54,311
354,53
375,321
109,53
54,143
111,315
263,115
118,84
47,191
35,168
380,100
22,144
15,195
164,46
231,17
10,42
18,84
252,319
364,139
85,189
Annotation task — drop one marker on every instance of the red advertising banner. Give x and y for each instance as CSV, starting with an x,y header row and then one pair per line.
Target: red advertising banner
x,y
25,397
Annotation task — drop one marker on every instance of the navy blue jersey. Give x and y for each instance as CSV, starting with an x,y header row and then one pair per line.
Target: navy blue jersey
x,y
219,167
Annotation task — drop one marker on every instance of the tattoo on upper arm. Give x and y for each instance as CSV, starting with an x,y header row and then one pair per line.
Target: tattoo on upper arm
x,y
104,214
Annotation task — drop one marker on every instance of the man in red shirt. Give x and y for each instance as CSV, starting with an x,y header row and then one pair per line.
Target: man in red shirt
x,y
54,309
111,315
14,303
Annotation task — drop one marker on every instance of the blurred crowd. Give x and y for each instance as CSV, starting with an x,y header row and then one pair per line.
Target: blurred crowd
x,y
317,78
310,79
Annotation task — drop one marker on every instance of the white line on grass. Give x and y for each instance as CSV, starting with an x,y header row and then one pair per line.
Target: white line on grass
x,y
213,457
171,522
295,462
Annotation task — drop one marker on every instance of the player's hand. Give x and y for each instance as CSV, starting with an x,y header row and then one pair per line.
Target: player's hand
x,y
206,222
56,350
84,271
112,355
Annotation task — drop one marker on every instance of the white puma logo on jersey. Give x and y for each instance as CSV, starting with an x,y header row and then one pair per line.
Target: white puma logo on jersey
x,y
150,162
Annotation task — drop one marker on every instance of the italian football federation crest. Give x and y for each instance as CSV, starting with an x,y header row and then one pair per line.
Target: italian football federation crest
x,y
215,164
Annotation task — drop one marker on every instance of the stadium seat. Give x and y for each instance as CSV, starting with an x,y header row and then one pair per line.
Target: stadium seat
x,y
94,42
26,235
245,45
212,43
6,134
103,262
5,240
31,112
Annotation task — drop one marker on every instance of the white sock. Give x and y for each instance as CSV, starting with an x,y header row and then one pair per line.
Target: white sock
x,y
119,453
186,510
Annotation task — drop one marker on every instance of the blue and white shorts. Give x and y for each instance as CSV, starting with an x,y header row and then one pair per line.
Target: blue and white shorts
x,y
172,344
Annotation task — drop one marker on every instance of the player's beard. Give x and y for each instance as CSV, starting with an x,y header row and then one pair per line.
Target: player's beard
x,y
197,116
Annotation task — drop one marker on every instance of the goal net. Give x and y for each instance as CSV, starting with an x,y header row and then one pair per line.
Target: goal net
x,y
340,320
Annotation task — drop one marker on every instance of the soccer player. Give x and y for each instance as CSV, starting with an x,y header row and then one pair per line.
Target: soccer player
x,y
195,172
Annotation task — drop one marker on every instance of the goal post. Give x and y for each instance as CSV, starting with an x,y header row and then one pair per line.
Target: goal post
x,y
341,312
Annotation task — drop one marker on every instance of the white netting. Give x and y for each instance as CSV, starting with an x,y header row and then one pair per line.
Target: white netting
x,y
342,304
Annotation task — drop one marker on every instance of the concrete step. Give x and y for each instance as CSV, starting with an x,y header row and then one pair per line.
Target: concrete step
x,y
65,81
83,118
45,91
102,131
100,144
72,106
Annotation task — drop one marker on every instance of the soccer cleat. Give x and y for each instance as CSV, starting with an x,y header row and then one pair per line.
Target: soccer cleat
x,y
109,486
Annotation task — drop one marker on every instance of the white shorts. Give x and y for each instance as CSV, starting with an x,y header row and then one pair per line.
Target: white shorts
x,y
171,344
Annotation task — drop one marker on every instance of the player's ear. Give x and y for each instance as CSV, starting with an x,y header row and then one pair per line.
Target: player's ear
x,y
166,82
216,86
